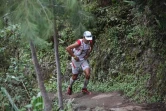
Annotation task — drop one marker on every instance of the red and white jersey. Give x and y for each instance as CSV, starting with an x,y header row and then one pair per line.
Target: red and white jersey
x,y
83,48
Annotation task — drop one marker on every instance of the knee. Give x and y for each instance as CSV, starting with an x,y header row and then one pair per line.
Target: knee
x,y
74,77
87,76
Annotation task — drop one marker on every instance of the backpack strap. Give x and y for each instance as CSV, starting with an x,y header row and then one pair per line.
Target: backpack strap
x,y
91,43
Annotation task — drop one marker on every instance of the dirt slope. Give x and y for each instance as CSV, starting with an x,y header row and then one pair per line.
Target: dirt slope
x,y
113,101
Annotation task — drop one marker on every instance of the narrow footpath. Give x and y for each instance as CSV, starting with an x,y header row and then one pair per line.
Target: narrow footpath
x,y
113,101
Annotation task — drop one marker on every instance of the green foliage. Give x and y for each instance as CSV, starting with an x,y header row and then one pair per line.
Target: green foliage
x,y
130,42
63,56
67,105
10,99
51,85
9,37
16,66
35,21
128,34
67,36
133,86
15,78
36,104
77,16
160,77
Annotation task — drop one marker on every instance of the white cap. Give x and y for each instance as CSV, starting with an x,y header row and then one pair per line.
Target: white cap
x,y
87,35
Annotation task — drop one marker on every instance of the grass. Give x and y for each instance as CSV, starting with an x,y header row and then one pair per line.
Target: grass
x,y
132,86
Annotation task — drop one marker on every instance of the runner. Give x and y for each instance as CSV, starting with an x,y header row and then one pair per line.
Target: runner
x,y
80,51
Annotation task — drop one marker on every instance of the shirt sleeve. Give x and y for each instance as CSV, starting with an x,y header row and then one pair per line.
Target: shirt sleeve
x,y
79,42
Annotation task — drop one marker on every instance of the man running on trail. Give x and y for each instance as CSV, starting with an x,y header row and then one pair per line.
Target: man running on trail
x,y
80,51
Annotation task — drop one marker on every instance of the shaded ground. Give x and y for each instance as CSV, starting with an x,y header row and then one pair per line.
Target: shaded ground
x,y
113,101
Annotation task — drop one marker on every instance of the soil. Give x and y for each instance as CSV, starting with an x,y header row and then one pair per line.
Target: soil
x,y
112,101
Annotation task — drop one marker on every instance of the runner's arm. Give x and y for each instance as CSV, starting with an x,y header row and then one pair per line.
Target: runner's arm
x,y
70,49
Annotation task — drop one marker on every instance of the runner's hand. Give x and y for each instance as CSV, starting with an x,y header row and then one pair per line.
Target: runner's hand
x,y
76,58
85,57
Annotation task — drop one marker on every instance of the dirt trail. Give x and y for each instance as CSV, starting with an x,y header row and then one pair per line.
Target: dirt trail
x,y
113,101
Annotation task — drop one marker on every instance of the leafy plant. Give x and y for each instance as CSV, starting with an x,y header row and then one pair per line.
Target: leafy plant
x,y
10,99
36,104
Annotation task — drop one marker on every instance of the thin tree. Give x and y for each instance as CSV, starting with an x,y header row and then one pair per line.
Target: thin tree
x,y
59,83
36,24
76,13
33,18
47,102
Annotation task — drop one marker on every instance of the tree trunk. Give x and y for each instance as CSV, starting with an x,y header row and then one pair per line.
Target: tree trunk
x,y
47,102
59,83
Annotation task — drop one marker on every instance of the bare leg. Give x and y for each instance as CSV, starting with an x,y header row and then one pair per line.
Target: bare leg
x,y
87,77
72,79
